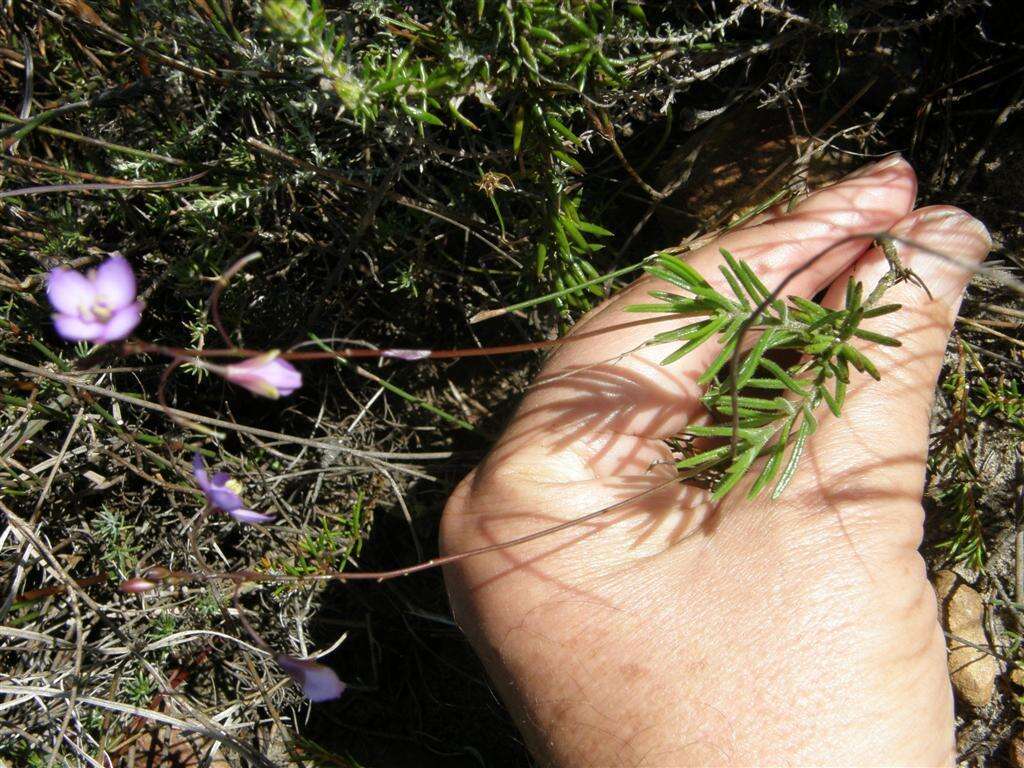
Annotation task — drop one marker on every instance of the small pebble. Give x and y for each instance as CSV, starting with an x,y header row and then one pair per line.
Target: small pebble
x,y
1017,677
1017,750
962,611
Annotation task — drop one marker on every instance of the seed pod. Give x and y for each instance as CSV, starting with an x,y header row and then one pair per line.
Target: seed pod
x,y
156,573
137,585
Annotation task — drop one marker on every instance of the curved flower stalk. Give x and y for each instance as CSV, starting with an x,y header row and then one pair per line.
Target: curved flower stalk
x,y
224,493
317,681
100,306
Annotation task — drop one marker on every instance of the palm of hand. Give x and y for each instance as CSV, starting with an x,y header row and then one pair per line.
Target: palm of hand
x,y
674,631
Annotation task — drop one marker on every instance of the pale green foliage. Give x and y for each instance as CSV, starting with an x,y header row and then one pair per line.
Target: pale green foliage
x,y
138,688
120,549
531,67
305,26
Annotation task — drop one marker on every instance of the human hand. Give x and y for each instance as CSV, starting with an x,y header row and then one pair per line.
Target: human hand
x,y
675,631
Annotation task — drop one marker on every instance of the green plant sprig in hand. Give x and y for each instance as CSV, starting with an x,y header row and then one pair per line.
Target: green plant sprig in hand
x,y
775,403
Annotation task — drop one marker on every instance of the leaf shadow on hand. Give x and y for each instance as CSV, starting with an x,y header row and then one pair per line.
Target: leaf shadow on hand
x,y
596,414
604,413
565,559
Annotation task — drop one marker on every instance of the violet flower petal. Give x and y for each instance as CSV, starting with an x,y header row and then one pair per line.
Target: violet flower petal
x,y
287,376
249,516
74,328
99,307
251,376
68,291
318,682
115,282
121,323
199,472
220,493
223,498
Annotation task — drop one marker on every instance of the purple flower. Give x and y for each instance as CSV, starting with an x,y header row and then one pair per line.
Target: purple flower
x,y
100,306
224,493
318,682
266,375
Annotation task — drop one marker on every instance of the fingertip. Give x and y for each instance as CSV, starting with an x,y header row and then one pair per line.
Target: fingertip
x,y
892,174
870,200
884,188
943,245
893,160
940,244
890,184
941,248
819,237
953,222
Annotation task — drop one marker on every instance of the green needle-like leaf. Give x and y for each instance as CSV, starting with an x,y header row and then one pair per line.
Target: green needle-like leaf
x,y
706,333
818,375
877,338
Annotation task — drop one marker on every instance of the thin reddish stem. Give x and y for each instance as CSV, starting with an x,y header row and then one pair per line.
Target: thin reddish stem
x,y
143,347
436,562
218,289
250,630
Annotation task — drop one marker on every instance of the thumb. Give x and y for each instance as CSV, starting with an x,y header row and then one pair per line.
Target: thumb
x,y
881,440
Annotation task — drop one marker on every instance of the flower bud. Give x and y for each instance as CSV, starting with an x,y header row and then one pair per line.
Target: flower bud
x,y
265,375
156,573
407,354
318,681
138,584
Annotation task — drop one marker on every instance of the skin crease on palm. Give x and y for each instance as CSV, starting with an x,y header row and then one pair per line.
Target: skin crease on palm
x,y
675,632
